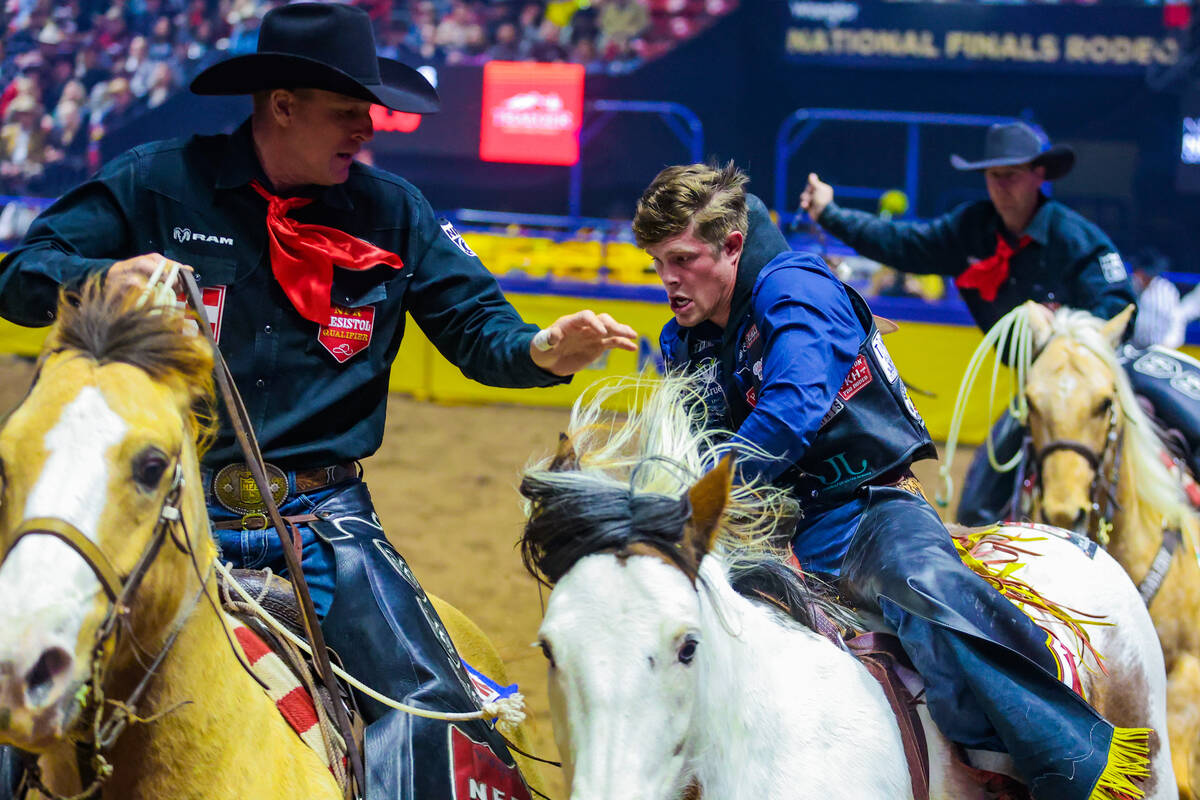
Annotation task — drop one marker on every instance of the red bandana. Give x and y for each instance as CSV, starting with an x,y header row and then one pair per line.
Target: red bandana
x,y
303,256
987,275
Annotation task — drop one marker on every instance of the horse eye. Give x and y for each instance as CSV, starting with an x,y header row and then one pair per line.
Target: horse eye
x,y
149,467
1104,406
547,652
687,650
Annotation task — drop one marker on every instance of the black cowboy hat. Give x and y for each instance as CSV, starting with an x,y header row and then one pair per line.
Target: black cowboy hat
x,y
1012,143
320,46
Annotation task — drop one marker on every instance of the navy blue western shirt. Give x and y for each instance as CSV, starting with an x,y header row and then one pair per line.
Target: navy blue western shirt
x,y
316,396
1069,261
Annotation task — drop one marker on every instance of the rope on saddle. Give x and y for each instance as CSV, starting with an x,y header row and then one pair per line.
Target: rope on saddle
x,y
1009,340
509,711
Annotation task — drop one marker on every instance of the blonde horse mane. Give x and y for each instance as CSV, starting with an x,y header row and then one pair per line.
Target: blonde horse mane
x,y
1155,487
1013,340
115,328
660,446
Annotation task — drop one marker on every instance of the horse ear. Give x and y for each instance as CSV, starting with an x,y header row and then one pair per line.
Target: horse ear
x,y
564,459
1041,322
1114,329
708,497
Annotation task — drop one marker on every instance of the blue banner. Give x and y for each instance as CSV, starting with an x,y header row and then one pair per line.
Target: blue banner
x,y
873,33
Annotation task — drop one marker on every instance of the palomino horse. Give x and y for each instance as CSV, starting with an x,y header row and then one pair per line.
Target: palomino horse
x,y
108,623
1091,439
665,681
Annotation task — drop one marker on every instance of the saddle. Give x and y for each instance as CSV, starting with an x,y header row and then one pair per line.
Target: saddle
x,y
884,657
285,671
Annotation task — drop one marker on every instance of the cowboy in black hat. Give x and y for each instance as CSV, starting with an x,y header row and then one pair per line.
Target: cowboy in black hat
x,y
1018,245
310,262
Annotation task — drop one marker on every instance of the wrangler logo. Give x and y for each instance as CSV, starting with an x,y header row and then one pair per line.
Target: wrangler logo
x,y
187,235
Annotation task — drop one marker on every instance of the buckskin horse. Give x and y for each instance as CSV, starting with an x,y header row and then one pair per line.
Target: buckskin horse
x,y
117,668
1099,465
665,681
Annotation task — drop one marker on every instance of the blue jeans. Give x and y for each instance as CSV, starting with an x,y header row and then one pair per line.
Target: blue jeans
x,y
259,549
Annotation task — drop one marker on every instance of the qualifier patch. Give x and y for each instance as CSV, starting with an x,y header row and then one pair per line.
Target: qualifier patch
x,y
348,331
476,772
857,379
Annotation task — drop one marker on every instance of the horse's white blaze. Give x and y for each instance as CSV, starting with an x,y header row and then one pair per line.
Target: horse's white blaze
x,y
615,630
767,709
45,586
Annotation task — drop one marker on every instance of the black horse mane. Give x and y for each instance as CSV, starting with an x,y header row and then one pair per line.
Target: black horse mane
x,y
575,518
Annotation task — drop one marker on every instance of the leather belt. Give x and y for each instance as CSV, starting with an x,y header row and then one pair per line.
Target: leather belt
x,y
233,485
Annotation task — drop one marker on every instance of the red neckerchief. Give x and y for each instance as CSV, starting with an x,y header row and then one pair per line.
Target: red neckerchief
x,y
303,256
987,274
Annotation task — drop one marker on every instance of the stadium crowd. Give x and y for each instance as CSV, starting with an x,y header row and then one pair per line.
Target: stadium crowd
x,y
72,70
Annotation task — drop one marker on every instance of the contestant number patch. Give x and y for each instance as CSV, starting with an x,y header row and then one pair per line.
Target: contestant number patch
x,y
348,332
1112,267
457,238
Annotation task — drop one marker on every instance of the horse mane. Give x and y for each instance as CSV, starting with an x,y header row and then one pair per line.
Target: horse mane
x,y
111,328
1155,487
628,486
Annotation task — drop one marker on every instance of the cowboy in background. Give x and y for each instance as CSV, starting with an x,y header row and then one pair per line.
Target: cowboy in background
x,y
309,262
1018,245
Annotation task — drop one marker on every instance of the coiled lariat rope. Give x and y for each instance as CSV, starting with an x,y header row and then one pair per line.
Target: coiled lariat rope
x,y
1009,341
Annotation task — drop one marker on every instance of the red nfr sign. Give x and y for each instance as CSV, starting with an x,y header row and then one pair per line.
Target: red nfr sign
x,y
531,112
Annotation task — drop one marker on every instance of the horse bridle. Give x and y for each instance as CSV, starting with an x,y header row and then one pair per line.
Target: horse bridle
x,y
1102,495
120,590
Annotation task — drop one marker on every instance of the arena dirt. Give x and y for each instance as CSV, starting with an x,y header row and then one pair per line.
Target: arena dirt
x,y
444,485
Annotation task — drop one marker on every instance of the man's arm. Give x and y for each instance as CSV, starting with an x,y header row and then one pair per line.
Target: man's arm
x,y
811,337
934,247
82,233
1101,285
460,307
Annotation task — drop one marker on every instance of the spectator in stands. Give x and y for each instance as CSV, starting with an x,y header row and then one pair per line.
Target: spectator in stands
x,y
88,67
22,142
621,24
162,85
585,52
66,153
506,47
548,46
120,106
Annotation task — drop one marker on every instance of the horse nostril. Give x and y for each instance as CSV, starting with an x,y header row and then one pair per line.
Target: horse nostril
x,y
39,681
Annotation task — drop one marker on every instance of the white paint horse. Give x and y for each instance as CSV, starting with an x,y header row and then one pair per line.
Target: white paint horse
x,y
666,681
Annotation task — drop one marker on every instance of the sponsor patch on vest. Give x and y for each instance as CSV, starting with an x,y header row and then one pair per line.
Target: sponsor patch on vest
x,y
348,331
857,379
752,397
885,358
751,336
477,774
1112,267
456,237
908,405
214,306
833,411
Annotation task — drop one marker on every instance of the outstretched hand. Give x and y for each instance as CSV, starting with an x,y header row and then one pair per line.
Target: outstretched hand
x,y
816,196
578,339
132,274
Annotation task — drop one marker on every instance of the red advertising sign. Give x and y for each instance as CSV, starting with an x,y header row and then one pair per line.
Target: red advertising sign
x,y
531,112
386,120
